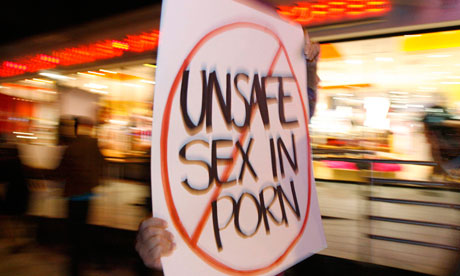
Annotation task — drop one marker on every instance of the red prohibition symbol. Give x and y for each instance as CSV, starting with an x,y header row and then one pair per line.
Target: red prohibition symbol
x,y
191,239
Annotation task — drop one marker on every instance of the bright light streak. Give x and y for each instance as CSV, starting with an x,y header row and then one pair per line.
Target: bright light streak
x,y
27,137
40,80
56,76
438,56
402,106
118,122
147,81
107,71
399,92
150,65
85,74
99,91
132,85
348,99
353,61
450,82
96,73
23,133
95,86
416,105
47,91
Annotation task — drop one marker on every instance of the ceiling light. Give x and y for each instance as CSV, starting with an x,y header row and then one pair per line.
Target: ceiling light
x,y
27,137
438,56
56,76
96,73
22,133
147,81
150,65
99,91
42,80
95,86
132,85
107,71
85,74
47,91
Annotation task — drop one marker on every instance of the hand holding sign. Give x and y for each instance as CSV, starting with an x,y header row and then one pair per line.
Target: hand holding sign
x,y
153,241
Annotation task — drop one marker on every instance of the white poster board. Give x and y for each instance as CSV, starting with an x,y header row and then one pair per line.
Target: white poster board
x,y
231,157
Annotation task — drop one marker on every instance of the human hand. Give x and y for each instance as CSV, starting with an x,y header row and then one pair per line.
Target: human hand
x,y
312,49
153,241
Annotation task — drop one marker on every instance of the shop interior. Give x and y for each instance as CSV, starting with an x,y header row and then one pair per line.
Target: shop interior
x,y
373,97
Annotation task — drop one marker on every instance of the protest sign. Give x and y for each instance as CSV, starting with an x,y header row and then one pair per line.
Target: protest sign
x,y
231,157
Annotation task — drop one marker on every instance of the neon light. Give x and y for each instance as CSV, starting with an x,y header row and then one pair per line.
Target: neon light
x,y
324,11
99,50
120,45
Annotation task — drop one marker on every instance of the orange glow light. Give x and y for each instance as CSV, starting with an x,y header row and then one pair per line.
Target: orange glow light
x,y
100,50
324,11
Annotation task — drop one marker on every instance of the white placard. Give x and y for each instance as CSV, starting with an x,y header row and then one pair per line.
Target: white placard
x,y
231,158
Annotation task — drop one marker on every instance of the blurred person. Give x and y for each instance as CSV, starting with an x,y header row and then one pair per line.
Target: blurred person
x,y
67,130
81,168
14,198
443,132
153,240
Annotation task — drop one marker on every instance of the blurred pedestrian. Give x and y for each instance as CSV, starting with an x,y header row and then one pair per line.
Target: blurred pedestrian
x,y
14,198
81,168
442,132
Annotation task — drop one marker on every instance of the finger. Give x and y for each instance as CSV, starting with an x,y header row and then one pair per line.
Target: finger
x,y
151,254
313,54
151,237
153,241
149,261
156,252
153,222
169,236
151,232
171,248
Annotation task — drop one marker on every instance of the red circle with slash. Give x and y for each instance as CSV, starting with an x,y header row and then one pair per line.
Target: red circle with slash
x,y
191,240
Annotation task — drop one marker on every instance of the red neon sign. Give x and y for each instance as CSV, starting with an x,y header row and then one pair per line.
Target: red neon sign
x,y
305,13
329,11
99,50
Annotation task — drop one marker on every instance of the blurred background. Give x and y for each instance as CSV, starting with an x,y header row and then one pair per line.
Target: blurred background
x,y
385,135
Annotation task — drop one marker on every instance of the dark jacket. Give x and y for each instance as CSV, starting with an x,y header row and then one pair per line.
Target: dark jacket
x,y
81,166
12,175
